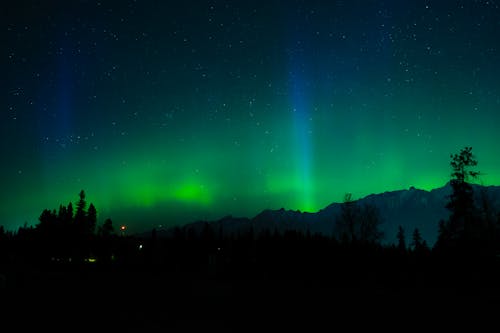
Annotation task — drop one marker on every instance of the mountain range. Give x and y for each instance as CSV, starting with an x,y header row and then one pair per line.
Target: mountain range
x,y
411,208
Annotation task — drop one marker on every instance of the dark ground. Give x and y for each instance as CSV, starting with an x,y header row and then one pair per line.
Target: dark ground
x,y
141,300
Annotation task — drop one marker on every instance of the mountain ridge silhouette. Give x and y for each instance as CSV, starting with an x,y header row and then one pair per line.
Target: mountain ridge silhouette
x,y
411,208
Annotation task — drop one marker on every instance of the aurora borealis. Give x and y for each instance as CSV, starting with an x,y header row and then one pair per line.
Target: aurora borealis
x,y
166,112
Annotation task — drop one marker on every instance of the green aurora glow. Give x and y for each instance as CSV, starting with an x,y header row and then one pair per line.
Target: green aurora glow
x,y
179,118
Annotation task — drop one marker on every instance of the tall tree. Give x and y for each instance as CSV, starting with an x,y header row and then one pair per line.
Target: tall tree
x,y
48,223
80,214
62,213
417,240
91,219
369,224
107,229
345,225
461,224
401,239
358,224
420,246
461,201
69,213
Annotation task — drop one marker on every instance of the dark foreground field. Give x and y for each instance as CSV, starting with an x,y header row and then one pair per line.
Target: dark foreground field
x,y
144,299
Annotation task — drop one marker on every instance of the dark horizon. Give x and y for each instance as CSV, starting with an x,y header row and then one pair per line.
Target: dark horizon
x,y
159,224
164,223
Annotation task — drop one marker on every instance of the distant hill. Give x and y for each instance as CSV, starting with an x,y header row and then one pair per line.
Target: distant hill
x,y
412,208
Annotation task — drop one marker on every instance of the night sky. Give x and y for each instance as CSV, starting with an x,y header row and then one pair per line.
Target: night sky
x,y
166,112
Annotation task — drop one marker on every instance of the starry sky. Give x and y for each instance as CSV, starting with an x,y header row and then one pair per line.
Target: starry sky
x,y
166,112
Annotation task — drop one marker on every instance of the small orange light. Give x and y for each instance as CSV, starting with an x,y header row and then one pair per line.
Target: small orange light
x,y
122,228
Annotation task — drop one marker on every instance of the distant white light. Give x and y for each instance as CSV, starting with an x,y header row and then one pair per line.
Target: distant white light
x,y
140,246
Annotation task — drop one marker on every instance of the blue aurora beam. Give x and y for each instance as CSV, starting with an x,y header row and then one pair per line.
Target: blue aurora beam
x,y
302,132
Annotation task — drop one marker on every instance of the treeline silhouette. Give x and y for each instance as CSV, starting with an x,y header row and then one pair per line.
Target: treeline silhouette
x,y
68,251
70,236
67,236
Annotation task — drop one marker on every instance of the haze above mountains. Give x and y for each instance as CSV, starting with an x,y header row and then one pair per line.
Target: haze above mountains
x,y
411,208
